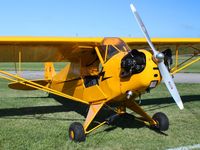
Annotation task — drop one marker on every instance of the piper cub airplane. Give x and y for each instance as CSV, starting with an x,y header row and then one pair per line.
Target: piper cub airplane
x,y
101,71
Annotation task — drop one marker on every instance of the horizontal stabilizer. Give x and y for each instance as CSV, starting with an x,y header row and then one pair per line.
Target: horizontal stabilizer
x,y
22,85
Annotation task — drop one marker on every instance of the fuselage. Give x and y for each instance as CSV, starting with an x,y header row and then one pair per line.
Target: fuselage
x,y
117,70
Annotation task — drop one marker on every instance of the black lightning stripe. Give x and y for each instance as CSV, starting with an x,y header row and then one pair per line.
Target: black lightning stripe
x,y
102,74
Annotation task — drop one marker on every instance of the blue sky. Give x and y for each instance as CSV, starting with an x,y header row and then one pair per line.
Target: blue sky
x,y
91,18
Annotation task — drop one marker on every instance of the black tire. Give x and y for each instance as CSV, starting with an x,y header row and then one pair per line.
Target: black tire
x,y
162,121
76,132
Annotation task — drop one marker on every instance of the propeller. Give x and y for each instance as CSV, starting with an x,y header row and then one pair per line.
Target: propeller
x,y
159,57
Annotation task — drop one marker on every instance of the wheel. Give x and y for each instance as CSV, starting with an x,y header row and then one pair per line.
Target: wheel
x,y
76,132
162,121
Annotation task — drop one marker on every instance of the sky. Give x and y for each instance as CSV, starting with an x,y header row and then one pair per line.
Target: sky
x,y
99,18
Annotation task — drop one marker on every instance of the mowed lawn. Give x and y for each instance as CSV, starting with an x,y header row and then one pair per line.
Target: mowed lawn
x,y
31,120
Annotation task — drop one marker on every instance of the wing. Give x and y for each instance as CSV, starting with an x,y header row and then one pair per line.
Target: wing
x,y
46,49
184,45
57,49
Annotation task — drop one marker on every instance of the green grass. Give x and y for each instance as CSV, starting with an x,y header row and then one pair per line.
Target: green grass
x,y
30,120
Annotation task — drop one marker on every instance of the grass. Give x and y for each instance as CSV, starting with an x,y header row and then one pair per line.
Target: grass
x,y
31,120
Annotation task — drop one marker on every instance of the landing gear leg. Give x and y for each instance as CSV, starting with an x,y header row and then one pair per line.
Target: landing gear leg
x,y
158,121
131,104
77,131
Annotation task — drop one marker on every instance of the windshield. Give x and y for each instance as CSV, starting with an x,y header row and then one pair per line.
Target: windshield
x,y
112,46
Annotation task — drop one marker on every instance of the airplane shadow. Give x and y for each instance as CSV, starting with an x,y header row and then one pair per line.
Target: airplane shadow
x,y
124,121
66,106
157,103
168,100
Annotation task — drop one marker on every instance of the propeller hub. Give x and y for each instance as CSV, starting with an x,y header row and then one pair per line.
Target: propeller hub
x,y
160,57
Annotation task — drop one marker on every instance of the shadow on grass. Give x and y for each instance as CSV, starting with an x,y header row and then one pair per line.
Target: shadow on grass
x,y
67,106
158,103
31,110
169,100
125,121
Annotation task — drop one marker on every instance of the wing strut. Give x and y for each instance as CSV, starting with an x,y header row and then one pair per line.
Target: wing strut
x,y
15,78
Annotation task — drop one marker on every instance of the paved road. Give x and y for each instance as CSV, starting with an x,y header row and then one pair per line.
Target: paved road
x,y
178,78
187,78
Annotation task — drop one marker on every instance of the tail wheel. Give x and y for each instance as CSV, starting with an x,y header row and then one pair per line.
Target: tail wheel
x,y
76,132
162,121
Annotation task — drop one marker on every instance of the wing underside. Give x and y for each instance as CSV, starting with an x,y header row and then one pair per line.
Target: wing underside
x,y
45,49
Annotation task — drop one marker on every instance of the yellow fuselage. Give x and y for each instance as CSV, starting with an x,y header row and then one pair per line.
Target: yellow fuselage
x,y
111,87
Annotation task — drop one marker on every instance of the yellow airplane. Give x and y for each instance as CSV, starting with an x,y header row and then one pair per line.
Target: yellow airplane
x,y
101,71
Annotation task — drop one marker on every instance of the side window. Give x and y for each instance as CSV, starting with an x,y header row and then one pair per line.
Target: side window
x,y
111,52
90,81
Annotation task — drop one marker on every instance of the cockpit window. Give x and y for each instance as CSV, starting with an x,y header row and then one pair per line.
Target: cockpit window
x,y
111,51
112,46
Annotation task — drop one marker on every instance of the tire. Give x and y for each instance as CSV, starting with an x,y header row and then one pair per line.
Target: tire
x,y
162,121
76,132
